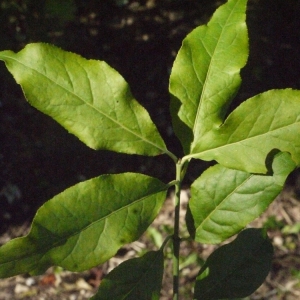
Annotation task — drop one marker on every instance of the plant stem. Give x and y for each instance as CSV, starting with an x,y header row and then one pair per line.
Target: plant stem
x,y
170,154
165,242
176,238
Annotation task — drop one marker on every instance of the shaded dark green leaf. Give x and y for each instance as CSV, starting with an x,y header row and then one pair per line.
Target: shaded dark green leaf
x,y
137,278
236,269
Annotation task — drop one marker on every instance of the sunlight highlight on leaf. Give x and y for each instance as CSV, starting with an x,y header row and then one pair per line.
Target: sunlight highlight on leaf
x,y
257,127
206,73
86,224
87,97
224,200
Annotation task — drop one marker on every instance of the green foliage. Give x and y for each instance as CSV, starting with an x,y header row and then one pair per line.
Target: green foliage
x,y
240,198
261,124
256,147
87,97
225,277
291,229
273,224
82,226
138,278
205,74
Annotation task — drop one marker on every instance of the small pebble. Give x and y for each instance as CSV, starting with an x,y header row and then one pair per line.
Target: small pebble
x,y
20,288
278,241
82,284
30,281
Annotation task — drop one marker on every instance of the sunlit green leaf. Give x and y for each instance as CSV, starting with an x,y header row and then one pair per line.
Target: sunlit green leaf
x,y
86,224
261,124
236,269
138,278
87,97
291,229
224,201
206,73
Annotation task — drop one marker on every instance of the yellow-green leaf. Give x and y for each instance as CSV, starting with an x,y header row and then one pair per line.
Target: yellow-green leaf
x,y
266,122
86,224
224,200
87,97
206,73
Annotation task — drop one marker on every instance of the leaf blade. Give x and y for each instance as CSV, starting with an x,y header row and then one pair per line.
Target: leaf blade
x,y
138,278
224,200
265,122
205,75
82,227
87,97
237,269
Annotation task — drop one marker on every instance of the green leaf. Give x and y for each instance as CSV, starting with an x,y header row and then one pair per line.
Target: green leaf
x,y
86,224
182,131
224,201
268,121
87,97
206,73
138,278
236,269
291,229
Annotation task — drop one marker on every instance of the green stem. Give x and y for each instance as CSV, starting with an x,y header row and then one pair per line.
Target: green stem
x,y
176,238
187,158
165,242
170,154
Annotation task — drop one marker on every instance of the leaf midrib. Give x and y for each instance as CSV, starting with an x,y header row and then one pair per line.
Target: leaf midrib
x,y
239,141
148,271
216,207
